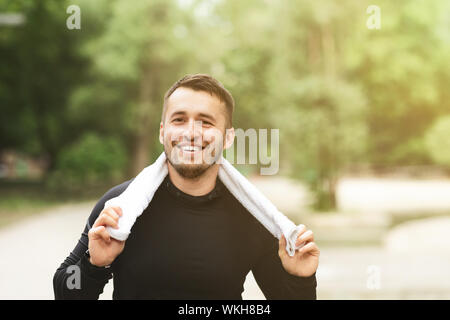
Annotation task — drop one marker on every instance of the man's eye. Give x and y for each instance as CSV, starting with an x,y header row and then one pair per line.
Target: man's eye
x,y
207,123
177,120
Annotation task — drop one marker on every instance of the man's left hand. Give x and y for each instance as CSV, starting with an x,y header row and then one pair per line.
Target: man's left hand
x,y
305,260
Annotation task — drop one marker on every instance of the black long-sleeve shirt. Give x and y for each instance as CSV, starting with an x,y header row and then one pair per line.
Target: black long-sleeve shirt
x,y
186,247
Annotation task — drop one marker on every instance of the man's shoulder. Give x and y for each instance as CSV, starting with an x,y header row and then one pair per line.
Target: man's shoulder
x,y
116,190
111,193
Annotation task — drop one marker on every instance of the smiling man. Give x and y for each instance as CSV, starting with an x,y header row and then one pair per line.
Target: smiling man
x,y
194,240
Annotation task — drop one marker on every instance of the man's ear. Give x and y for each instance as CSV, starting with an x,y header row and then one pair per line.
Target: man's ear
x,y
161,133
229,137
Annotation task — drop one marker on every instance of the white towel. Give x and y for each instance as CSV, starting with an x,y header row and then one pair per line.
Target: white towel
x,y
135,199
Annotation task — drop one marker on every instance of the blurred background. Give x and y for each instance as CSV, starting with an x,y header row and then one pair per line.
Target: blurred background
x,y
363,114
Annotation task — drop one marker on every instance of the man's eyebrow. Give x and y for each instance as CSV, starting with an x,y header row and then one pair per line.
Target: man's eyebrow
x,y
178,113
207,116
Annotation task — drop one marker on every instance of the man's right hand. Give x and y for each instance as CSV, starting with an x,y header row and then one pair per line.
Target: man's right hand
x,y
102,248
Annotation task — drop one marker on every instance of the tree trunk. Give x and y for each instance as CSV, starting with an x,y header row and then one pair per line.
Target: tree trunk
x,y
314,54
328,49
141,139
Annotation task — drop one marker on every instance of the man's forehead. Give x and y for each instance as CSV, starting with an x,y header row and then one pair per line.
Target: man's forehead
x,y
182,94
189,101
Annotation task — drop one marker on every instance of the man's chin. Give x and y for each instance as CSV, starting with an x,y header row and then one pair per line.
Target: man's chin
x,y
191,171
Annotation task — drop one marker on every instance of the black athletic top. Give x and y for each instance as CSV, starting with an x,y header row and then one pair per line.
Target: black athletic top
x,y
185,247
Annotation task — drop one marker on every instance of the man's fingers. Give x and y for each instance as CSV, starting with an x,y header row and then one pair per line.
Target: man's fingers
x,y
305,237
302,229
105,219
310,247
100,233
109,221
113,212
118,210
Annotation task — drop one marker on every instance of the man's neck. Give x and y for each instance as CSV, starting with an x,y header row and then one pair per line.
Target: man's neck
x,y
195,187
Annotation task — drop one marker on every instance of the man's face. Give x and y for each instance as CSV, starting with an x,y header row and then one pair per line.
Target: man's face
x,y
193,131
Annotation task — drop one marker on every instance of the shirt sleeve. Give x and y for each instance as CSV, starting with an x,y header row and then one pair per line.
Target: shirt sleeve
x,y
276,283
76,277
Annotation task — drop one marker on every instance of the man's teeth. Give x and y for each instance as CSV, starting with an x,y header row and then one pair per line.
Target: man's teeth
x,y
191,148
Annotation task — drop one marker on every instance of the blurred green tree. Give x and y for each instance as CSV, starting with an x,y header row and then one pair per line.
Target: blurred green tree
x,y
437,141
320,109
403,68
90,161
40,68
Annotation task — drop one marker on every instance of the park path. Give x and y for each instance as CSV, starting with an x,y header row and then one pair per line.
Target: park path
x,y
33,248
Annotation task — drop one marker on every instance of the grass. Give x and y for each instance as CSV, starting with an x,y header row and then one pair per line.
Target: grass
x,y
22,199
16,207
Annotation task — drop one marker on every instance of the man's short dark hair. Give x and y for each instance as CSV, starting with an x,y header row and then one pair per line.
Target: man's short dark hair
x,y
204,82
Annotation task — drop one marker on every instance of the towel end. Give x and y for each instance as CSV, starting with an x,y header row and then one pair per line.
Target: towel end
x,y
117,234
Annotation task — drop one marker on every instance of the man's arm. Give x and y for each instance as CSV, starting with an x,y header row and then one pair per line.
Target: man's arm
x,y
276,283
92,278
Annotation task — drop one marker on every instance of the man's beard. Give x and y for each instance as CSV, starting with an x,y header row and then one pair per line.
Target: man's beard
x,y
192,170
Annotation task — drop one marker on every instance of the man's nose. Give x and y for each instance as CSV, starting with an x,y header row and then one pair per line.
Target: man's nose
x,y
194,130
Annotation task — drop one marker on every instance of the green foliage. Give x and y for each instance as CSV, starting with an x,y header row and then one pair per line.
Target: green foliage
x,y
438,141
322,133
40,68
340,94
91,160
403,68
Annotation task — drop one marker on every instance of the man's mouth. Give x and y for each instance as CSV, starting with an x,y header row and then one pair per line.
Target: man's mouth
x,y
190,148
